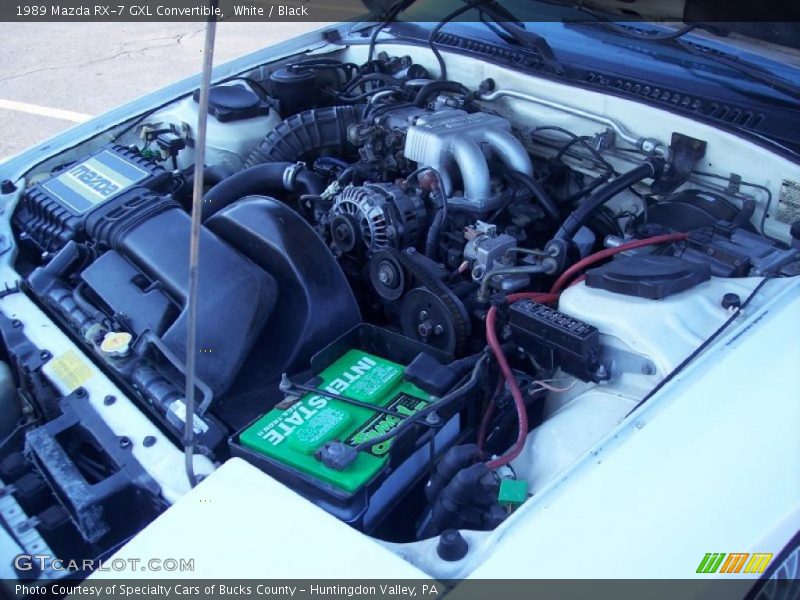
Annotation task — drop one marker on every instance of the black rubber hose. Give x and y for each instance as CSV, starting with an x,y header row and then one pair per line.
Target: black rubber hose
x,y
352,172
745,213
306,133
435,87
455,459
542,197
650,167
213,174
271,178
433,233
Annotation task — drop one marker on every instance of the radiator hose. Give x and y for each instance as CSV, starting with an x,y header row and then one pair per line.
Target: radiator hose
x,y
650,167
270,179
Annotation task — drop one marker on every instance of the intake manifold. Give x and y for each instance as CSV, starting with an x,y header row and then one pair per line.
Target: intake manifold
x,y
450,140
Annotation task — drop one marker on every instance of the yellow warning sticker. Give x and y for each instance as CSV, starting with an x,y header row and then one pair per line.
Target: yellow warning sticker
x,y
71,370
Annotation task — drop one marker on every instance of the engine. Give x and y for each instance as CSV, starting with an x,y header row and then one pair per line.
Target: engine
x,y
396,286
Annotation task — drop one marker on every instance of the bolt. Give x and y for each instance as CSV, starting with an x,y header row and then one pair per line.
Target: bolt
x,y
45,355
149,440
125,442
424,329
109,400
16,323
438,330
386,274
423,315
433,419
23,527
601,372
647,369
80,392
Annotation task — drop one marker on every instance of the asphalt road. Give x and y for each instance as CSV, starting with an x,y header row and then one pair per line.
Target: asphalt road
x,y
52,75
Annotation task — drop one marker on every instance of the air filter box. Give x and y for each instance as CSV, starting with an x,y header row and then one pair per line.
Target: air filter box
x,y
54,211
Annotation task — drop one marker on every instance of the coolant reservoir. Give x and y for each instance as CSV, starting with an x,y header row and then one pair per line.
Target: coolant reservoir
x,y
238,120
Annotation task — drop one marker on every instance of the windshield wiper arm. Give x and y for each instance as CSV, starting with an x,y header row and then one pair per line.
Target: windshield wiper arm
x,y
515,29
753,71
508,24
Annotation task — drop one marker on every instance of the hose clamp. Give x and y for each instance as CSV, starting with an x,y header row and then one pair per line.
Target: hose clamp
x,y
290,175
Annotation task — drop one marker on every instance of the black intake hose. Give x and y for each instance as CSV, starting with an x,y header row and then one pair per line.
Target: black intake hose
x,y
270,179
651,167
308,132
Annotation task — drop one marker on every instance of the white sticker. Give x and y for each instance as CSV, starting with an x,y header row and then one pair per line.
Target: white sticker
x,y
789,201
178,408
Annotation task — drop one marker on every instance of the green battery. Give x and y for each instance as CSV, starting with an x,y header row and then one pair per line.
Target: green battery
x,y
292,434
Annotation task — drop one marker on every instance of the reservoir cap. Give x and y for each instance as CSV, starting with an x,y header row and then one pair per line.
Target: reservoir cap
x,y
648,276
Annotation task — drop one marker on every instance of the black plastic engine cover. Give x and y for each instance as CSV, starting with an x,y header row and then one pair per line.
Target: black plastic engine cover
x,y
122,287
316,304
235,297
116,199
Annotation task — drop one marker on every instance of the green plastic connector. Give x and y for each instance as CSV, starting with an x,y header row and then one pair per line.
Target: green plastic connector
x,y
151,154
513,492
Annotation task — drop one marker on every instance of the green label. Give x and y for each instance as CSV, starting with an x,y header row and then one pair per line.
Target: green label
x,y
383,423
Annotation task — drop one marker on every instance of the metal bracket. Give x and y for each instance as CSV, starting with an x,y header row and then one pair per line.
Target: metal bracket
x,y
685,151
619,361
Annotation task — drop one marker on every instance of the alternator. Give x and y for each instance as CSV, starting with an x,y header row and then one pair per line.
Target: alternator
x,y
381,215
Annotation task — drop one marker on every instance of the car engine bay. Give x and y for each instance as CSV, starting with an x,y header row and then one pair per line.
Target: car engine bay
x,y
416,308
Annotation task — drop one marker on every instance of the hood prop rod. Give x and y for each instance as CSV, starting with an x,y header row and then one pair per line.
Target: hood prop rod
x,y
194,245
